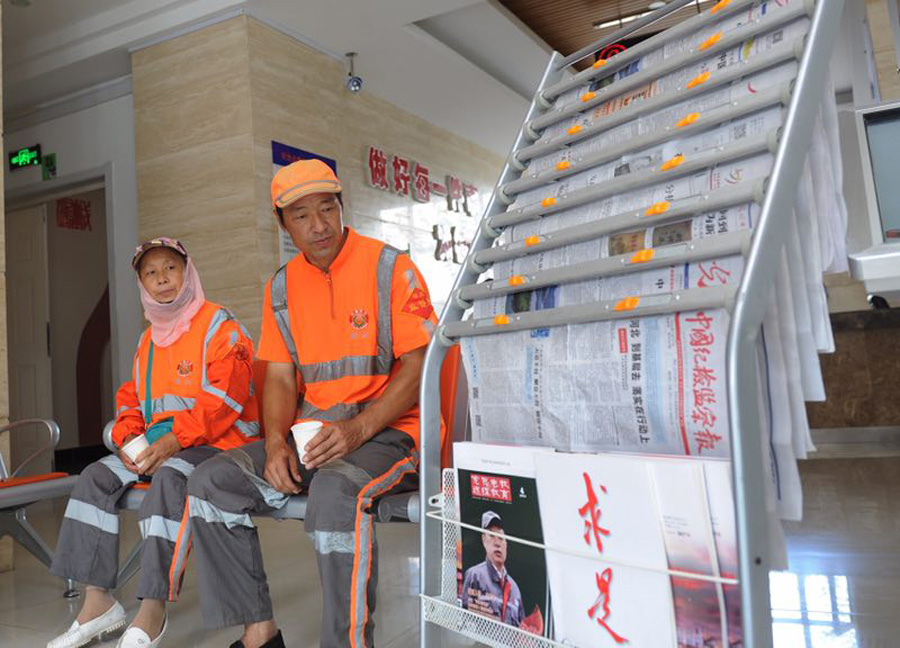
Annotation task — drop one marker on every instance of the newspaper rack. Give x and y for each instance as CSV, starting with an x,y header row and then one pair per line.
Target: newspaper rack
x,y
555,105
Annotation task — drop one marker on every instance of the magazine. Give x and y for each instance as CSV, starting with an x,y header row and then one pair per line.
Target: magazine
x,y
497,494
617,524
608,578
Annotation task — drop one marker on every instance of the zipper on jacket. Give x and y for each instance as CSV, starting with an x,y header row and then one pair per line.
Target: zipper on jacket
x,y
330,292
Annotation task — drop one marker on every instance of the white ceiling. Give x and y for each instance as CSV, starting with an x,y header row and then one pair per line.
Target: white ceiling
x,y
465,65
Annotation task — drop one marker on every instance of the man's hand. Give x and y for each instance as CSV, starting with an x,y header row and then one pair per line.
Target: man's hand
x,y
282,471
334,441
153,457
129,464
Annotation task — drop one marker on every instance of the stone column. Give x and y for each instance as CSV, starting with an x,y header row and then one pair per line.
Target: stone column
x,y
6,547
194,157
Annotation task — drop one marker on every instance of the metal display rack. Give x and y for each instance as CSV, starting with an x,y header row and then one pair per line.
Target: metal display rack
x,y
800,99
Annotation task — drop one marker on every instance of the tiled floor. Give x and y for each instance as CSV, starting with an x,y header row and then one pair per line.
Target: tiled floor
x,y
32,609
843,589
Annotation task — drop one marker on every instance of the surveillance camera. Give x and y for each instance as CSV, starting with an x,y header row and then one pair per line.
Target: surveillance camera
x,y
354,83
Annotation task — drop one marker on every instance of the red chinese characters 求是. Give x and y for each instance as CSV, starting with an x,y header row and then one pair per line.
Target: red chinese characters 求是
x,y
602,603
592,529
591,512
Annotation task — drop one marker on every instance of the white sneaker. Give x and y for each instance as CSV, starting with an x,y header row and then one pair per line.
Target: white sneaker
x,y
80,634
137,638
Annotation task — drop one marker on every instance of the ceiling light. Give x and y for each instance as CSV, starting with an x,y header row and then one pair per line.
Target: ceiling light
x,y
618,22
623,20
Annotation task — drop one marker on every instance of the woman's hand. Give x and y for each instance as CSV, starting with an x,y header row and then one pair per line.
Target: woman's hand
x,y
154,456
129,464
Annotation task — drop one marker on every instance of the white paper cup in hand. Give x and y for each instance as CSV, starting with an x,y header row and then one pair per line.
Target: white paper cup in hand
x,y
303,434
135,447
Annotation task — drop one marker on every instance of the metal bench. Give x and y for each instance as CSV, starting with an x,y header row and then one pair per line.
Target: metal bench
x,y
405,507
400,508
19,491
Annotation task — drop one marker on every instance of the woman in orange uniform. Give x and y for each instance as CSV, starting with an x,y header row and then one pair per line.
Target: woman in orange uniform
x,y
190,397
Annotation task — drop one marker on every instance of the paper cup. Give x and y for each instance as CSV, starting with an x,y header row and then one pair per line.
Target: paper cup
x,y
135,447
303,433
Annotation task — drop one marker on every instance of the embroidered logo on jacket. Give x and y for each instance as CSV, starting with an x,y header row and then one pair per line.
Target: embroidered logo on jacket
x,y
418,304
185,368
359,319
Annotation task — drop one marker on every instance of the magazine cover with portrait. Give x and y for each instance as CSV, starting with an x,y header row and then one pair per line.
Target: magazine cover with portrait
x,y
499,578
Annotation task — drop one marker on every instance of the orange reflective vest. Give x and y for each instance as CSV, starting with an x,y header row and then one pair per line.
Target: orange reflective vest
x,y
203,381
343,328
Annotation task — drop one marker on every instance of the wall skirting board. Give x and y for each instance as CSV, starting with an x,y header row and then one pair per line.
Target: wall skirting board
x,y
856,442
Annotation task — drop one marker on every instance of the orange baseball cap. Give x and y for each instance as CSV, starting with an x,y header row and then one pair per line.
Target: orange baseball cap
x,y
302,178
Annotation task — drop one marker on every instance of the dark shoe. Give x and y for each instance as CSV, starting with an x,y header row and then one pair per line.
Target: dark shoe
x,y
275,642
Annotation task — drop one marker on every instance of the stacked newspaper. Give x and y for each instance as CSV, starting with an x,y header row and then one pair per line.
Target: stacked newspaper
x,y
657,384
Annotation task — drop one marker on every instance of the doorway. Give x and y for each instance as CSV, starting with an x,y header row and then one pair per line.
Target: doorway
x,y
58,306
28,311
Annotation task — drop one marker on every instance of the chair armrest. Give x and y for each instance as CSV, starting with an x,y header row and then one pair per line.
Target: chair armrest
x,y
107,437
52,428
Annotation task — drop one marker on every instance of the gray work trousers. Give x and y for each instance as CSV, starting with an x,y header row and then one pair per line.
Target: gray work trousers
x,y
88,546
340,521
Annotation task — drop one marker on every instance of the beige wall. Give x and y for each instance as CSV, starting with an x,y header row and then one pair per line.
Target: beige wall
x,y
845,294
193,147
6,562
207,107
883,46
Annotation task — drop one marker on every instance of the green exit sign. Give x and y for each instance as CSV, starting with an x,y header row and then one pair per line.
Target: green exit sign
x,y
25,157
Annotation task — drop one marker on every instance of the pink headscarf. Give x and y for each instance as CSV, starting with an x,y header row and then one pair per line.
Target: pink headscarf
x,y
168,322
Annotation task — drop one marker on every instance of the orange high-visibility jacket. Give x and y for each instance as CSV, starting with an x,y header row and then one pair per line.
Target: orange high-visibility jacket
x,y
347,326
203,381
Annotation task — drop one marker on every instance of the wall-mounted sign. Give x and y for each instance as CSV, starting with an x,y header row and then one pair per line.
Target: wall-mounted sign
x,y
282,155
73,213
25,157
414,179
48,166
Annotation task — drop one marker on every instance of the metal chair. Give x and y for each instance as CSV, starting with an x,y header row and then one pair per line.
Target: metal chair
x,y
18,492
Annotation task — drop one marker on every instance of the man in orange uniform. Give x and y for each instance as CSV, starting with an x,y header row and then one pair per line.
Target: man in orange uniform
x,y
351,317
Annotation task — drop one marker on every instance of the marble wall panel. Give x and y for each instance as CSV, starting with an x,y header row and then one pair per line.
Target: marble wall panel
x,y
861,380
194,155
6,553
883,46
191,90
